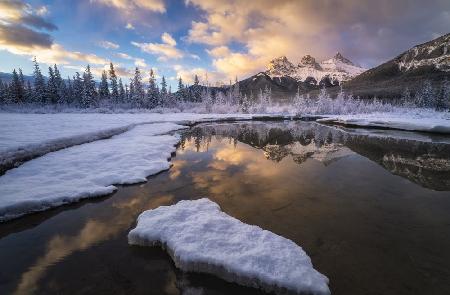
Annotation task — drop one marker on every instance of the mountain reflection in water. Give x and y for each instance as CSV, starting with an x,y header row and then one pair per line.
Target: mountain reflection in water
x,y
419,160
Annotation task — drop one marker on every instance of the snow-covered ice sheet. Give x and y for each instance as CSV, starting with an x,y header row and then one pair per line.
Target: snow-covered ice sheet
x,y
86,170
424,121
26,136
202,238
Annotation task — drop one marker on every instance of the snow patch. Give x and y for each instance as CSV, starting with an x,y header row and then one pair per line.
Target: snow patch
x,y
86,170
425,122
202,238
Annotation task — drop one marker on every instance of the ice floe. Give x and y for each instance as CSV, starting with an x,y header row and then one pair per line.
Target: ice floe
x,y
201,238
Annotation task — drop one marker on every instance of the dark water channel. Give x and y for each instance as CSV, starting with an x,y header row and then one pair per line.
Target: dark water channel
x,y
371,208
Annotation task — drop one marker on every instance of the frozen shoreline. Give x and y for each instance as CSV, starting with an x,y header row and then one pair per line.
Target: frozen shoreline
x,y
432,122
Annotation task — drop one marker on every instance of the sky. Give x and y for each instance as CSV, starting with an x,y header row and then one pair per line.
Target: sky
x,y
218,40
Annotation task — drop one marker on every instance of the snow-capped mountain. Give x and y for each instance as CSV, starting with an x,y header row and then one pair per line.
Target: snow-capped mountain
x,y
331,71
435,53
428,61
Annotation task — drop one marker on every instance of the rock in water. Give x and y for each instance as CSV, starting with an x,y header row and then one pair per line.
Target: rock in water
x,y
201,238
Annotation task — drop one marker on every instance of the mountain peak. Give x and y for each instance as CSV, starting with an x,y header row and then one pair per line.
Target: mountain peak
x,y
309,61
280,66
339,57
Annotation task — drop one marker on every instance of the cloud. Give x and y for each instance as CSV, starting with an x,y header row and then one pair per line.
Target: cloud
x,y
21,33
219,51
42,11
129,26
266,29
166,50
205,76
140,62
128,6
168,39
124,55
15,12
108,45
19,36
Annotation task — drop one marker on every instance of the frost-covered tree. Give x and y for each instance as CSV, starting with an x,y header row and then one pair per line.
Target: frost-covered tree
x,y
207,99
39,93
77,89
52,88
28,92
406,99
114,85
425,96
181,90
22,86
152,92
89,96
16,89
138,97
443,97
69,92
3,92
121,97
163,92
103,88
60,86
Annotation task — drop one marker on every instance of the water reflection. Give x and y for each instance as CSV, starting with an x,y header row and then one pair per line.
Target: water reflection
x,y
332,191
419,159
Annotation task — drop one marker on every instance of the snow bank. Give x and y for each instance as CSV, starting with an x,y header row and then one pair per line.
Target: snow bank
x,y
27,136
435,122
86,170
202,238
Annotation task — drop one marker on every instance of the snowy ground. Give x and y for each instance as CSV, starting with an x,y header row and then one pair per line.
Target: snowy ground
x,y
418,120
86,170
202,238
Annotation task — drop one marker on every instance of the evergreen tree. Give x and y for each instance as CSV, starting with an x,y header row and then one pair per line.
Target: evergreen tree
x,y
121,98
181,91
39,94
127,93
152,93
3,92
163,86
60,86
103,89
138,98
131,96
52,88
443,97
16,90
77,89
196,81
115,95
406,97
89,96
28,92
22,86
69,97
163,93
425,96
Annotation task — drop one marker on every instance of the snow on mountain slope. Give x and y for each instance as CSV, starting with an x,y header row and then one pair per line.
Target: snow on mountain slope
x,y
337,69
435,53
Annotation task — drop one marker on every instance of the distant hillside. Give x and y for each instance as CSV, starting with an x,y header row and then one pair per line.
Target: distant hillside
x,y
7,77
428,61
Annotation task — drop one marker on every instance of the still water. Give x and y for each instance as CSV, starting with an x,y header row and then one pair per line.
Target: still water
x,y
371,208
